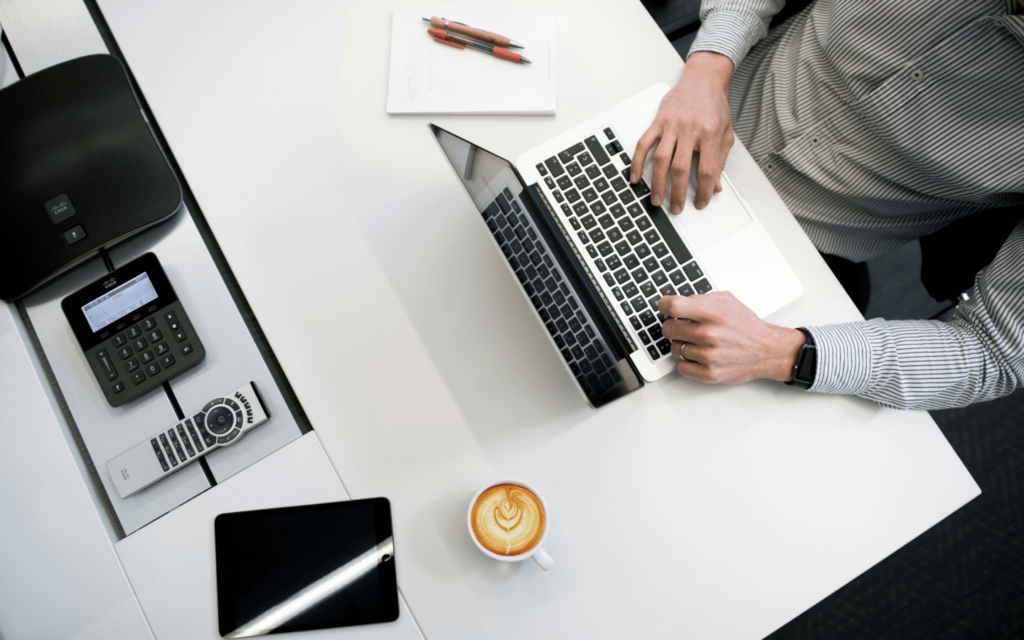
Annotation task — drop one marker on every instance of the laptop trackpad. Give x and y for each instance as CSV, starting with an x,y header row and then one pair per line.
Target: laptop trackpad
x,y
723,215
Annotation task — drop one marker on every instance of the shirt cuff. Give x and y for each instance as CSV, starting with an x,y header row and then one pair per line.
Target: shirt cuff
x,y
843,358
730,34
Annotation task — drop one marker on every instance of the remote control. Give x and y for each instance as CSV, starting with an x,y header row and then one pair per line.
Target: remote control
x,y
218,424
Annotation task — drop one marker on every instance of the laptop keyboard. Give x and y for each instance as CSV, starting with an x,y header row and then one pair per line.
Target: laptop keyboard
x,y
628,243
568,323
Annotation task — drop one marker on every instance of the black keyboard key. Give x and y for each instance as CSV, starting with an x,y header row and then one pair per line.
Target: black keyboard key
x,y
548,181
626,308
624,157
617,292
631,262
558,196
590,195
659,278
677,278
508,194
614,234
593,171
596,150
626,225
692,271
651,236
618,183
648,289
545,298
667,290
590,248
638,304
668,262
627,196
605,248
570,339
686,290
609,280
640,189
571,195
598,208
596,235
551,285
516,246
622,276
630,290
574,326
487,213
600,265
503,203
633,320
574,223
566,355
588,222
634,237
541,169
614,262
660,250
575,369
702,286
651,264
642,251
581,182
566,310
587,368
580,208
600,184
617,210
536,303
591,354
585,159
664,345
613,147
654,303
573,169
655,332
577,352
653,351
573,303
608,132
567,155
547,259
565,182
622,248
647,318
639,275
635,210
562,326
605,221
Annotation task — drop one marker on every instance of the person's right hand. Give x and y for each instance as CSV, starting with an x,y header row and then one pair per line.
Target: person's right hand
x,y
693,118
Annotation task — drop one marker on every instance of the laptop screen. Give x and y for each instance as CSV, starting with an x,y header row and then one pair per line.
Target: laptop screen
x,y
537,254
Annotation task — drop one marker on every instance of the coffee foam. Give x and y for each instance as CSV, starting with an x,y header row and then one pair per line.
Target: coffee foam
x,y
507,519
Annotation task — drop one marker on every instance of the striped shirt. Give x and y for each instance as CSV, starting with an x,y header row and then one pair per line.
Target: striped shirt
x,y
879,122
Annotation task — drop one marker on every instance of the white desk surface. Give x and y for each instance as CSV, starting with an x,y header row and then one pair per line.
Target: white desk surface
x,y
680,511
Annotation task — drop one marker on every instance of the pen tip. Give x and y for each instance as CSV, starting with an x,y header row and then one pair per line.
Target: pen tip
x,y
513,43
523,60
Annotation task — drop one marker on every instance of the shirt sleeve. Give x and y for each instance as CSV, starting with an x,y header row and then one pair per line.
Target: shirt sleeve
x,y
732,27
927,364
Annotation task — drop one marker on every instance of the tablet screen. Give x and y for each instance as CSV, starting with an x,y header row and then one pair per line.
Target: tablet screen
x,y
307,567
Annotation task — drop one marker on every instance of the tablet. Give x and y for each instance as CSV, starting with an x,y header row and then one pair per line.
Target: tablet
x,y
307,567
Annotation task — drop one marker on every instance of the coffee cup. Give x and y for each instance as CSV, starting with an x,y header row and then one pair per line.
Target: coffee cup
x,y
508,520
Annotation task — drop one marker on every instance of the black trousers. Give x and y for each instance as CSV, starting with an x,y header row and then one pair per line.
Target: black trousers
x,y
854,277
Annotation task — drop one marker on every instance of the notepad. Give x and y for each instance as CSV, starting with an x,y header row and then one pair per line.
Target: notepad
x,y
431,78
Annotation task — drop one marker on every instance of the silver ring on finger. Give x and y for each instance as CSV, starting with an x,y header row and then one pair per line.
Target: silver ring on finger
x,y
682,345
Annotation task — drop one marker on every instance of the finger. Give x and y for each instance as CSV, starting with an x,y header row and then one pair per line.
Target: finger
x,y
681,175
659,176
718,185
728,141
680,330
690,307
688,352
636,168
694,370
709,169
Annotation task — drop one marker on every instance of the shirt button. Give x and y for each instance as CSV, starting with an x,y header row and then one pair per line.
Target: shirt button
x,y
769,166
815,140
917,74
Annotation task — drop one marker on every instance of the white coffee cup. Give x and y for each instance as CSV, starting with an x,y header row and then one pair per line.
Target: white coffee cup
x,y
536,552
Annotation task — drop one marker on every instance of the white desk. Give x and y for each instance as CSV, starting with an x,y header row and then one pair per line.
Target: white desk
x,y
682,510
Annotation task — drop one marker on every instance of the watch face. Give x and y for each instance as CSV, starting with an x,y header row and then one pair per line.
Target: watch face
x,y
806,365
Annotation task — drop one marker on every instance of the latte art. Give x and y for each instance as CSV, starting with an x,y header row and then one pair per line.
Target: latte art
x,y
507,519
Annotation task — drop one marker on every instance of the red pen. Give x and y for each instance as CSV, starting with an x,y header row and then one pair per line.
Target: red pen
x,y
461,43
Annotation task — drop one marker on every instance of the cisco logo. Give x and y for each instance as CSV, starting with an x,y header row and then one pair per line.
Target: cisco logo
x,y
60,208
109,282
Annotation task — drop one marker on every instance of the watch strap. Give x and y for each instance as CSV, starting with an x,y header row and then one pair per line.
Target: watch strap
x,y
806,362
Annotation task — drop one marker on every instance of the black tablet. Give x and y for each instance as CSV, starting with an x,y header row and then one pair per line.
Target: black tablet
x,y
308,567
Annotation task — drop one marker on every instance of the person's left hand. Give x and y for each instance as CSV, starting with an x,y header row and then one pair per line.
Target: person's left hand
x,y
724,341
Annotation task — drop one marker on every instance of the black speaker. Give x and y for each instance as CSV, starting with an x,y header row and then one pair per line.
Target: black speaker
x,y
80,170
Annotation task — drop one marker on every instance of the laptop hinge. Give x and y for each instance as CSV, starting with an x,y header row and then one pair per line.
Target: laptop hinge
x,y
611,320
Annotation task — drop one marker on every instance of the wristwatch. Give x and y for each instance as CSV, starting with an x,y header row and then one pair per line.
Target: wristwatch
x,y
806,362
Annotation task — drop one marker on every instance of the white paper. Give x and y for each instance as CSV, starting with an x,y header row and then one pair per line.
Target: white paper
x,y
431,78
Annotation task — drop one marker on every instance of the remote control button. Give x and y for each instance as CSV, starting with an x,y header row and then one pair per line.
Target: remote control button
x,y
179,336
212,403
106,365
74,234
220,420
168,361
147,357
125,353
138,378
155,335
229,437
149,324
119,340
195,436
239,419
163,461
140,344
170,317
187,349
152,369
188,443
119,387
132,365
167,448
135,332
231,403
162,348
199,419
155,445
177,445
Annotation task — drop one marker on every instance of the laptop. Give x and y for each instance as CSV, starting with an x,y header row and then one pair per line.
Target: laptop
x,y
593,256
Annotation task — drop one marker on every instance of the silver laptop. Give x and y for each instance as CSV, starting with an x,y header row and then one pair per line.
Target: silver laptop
x,y
594,256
